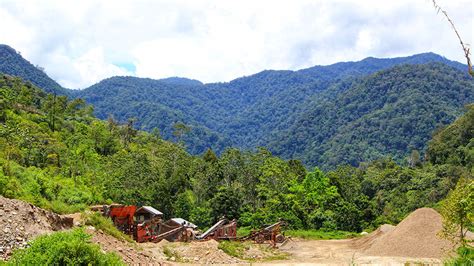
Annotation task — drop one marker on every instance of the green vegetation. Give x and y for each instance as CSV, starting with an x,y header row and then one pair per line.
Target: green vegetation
x,y
63,248
243,231
172,254
339,114
344,113
105,224
465,256
56,155
240,250
320,234
234,248
12,63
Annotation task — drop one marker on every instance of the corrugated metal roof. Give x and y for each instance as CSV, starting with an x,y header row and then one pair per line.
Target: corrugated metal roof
x,y
150,210
184,222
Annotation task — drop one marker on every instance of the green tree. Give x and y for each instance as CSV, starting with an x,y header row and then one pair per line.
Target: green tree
x,y
458,212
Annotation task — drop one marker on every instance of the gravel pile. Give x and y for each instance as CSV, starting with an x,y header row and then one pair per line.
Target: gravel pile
x,y
21,221
367,241
416,236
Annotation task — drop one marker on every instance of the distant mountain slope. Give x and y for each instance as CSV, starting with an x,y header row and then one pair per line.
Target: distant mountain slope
x,y
388,113
156,104
347,112
12,63
247,112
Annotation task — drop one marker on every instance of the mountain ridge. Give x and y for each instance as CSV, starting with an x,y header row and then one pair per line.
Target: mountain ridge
x,y
12,63
267,108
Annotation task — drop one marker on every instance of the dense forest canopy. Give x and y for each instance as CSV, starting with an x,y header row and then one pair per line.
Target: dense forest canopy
x,y
55,154
12,63
348,112
320,119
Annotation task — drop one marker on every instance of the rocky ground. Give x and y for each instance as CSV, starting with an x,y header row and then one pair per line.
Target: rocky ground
x,y
414,240
130,253
21,221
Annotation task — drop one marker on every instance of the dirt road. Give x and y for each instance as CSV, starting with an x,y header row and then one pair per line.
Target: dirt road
x,y
338,252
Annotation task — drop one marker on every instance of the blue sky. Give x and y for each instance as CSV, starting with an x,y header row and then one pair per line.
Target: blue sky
x,y
81,42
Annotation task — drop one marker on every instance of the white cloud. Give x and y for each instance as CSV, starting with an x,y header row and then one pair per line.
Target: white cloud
x,y
80,43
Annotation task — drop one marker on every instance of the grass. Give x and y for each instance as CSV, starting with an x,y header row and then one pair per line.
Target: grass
x,y
233,248
240,250
106,225
170,253
243,231
320,234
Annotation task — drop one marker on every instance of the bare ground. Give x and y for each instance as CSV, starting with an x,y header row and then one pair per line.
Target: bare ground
x,y
339,252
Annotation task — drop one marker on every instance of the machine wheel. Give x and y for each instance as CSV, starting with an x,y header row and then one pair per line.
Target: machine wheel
x,y
279,238
259,239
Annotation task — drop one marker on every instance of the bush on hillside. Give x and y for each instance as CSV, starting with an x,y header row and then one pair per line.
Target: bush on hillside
x,y
64,248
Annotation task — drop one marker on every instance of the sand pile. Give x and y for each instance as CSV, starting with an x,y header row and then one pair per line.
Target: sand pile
x,y
21,221
368,240
415,236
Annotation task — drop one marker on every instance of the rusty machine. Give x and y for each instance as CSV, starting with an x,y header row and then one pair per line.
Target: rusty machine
x,y
145,224
271,234
222,230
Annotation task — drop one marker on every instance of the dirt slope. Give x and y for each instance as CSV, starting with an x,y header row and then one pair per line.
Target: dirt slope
x,y
131,254
21,221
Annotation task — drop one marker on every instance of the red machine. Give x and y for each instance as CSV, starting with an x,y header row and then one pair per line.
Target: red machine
x,y
122,216
145,224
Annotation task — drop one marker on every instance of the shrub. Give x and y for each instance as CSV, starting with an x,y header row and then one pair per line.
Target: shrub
x,y
64,248
465,257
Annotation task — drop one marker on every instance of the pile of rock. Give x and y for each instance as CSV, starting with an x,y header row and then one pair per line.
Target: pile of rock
x,y
21,221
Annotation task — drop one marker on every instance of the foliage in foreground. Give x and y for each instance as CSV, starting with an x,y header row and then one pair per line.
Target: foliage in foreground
x,y
100,222
64,248
465,256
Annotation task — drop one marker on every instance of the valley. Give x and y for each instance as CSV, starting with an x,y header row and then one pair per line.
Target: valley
x,y
369,144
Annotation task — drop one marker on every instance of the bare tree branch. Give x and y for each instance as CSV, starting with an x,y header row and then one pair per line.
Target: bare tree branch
x,y
464,46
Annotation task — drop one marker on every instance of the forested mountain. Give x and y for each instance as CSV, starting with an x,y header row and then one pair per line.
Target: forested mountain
x,y
12,63
55,154
288,112
389,113
347,112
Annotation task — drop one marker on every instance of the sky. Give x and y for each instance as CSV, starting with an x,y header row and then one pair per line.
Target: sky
x,y
79,43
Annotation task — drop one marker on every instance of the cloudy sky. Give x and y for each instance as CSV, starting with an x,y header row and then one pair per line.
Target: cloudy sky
x,y
81,42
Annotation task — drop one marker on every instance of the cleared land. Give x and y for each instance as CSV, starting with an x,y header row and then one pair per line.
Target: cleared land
x,y
414,240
